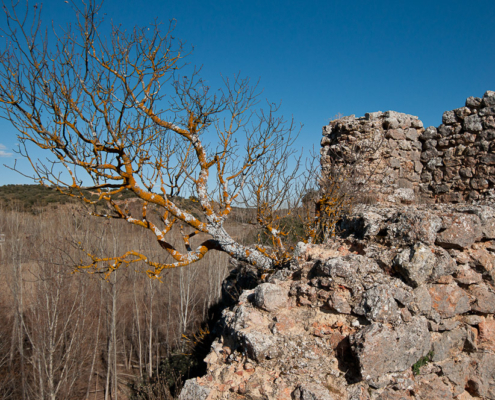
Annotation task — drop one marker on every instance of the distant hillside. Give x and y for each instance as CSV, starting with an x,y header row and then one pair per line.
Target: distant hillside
x,y
29,197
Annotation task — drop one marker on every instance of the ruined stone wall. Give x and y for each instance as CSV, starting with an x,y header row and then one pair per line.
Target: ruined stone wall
x,y
401,306
459,155
383,147
401,303
396,160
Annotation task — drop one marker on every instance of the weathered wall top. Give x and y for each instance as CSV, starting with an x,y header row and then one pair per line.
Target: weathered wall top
x,y
401,303
401,162
400,306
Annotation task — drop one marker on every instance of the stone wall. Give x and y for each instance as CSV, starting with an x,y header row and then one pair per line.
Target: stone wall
x,y
401,306
401,303
396,160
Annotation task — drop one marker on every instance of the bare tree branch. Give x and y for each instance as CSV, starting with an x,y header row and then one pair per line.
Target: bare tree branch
x,y
116,110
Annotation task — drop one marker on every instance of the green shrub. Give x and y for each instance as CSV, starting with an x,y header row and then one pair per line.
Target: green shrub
x,y
422,362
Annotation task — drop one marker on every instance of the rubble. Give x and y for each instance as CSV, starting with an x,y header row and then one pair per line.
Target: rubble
x,y
400,305
390,314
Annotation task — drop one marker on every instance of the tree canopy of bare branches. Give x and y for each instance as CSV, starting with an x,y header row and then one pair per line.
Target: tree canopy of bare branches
x,y
115,110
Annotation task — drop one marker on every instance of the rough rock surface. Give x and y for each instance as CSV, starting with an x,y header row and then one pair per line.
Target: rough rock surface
x,y
402,162
401,304
381,349
270,297
388,312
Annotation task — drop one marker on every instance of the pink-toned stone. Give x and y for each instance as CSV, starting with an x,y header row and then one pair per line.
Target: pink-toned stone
x,y
463,231
339,301
395,395
463,258
449,300
432,387
445,279
483,258
468,276
486,338
484,299
282,324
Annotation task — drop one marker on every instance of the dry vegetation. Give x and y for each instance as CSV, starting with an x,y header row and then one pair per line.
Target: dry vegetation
x,y
76,335
117,111
73,334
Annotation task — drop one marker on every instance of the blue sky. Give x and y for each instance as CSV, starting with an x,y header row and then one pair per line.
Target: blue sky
x,y
320,58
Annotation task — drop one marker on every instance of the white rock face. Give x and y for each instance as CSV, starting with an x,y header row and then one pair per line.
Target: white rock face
x,y
270,297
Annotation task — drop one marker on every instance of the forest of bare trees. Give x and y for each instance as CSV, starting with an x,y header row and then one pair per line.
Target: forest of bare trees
x,y
104,304
80,336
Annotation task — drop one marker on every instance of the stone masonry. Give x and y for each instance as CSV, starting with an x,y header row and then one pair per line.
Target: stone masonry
x,y
399,307
400,304
398,161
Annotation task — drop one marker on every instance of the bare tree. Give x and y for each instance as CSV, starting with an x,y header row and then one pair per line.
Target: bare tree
x,y
17,260
58,327
115,110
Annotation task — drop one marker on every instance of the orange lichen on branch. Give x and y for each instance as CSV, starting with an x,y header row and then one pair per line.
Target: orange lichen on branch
x,y
100,107
111,264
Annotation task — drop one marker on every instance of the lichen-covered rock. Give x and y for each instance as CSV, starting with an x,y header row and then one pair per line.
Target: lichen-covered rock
x,y
433,387
378,304
444,325
489,99
472,123
462,231
350,270
444,265
353,271
339,301
270,297
422,301
392,394
312,392
457,371
483,259
488,228
486,339
193,391
381,349
449,300
416,264
484,299
482,381
468,276
448,344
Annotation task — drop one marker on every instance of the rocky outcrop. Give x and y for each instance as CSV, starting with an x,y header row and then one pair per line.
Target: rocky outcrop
x,y
399,307
401,162
401,304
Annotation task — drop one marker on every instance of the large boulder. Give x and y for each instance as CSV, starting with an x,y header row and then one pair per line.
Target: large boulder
x,y
381,349
462,231
270,297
